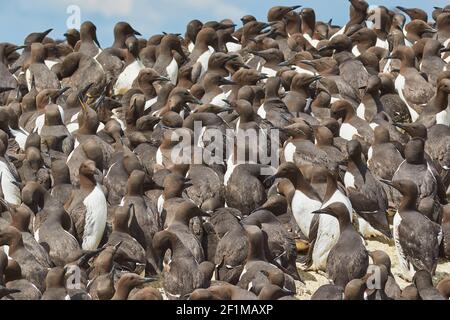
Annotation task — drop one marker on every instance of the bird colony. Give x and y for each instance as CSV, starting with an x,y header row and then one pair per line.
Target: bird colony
x,y
235,161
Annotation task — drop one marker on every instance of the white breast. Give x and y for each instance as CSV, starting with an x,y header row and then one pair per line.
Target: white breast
x,y
349,180
262,112
289,151
204,59
39,123
366,230
230,169
50,63
361,111
149,103
28,78
382,44
10,190
20,137
126,78
218,100
302,206
334,99
160,204
373,125
191,46
446,42
172,71
338,196
369,153
233,47
387,66
95,219
312,41
341,31
269,71
61,112
347,131
404,265
355,51
327,237
399,85
159,157
443,117
328,232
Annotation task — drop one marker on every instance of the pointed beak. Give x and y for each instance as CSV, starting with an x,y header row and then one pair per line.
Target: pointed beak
x,y
45,33
315,78
444,50
284,63
19,48
399,125
224,82
162,78
117,246
148,279
96,42
268,182
227,102
188,183
61,91
137,33
194,100
6,89
325,48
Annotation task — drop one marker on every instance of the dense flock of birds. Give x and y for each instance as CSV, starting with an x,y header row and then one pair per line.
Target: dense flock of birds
x,y
95,204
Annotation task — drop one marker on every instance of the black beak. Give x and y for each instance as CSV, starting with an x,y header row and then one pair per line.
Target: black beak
x,y
148,279
284,64
137,33
399,125
320,211
444,50
45,33
295,7
117,246
268,182
224,81
162,78
96,42
61,91
188,183
6,89
19,48
195,100
88,255
325,48
233,56
315,78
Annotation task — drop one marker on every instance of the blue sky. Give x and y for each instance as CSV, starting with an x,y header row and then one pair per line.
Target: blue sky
x,y
20,17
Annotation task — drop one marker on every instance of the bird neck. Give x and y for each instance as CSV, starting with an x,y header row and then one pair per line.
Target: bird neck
x,y
408,203
87,182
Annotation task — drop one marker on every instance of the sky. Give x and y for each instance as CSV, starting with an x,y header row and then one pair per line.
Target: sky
x,y
18,18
